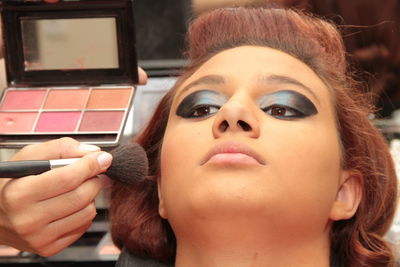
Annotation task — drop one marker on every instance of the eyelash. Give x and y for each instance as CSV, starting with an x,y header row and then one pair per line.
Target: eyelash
x,y
285,109
203,111
196,109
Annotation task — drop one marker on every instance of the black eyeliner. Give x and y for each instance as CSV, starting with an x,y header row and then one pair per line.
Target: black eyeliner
x,y
289,99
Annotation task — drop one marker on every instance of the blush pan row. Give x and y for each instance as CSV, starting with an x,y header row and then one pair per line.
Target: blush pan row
x,y
64,111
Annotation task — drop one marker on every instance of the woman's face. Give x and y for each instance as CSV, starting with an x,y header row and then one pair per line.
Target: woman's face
x,y
251,134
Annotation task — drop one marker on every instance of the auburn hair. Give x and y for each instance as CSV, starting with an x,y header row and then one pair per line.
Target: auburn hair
x,y
135,221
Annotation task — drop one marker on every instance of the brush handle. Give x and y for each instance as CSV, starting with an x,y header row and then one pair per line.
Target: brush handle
x,y
18,169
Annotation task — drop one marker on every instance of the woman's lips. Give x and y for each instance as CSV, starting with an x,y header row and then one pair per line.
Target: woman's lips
x,y
232,153
233,159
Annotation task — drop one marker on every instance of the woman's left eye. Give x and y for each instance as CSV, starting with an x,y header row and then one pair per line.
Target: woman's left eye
x,y
287,105
283,112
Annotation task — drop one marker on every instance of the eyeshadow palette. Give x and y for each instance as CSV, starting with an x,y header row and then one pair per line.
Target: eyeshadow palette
x,y
71,70
88,114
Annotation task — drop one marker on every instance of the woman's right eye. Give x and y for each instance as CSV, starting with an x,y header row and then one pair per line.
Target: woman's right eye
x,y
201,104
203,111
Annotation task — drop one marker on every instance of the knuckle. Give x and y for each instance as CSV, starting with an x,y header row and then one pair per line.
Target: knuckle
x,y
80,197
68,180
39,245
65,143
66,140
13,198
93,167
86,216
64,180
24,226
26,151
46,251
91,211
27,148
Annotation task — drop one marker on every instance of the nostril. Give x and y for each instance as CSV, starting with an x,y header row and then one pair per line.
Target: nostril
x,y
244,125
223,126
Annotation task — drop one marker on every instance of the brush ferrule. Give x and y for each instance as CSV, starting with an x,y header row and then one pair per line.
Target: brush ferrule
x,y
57,163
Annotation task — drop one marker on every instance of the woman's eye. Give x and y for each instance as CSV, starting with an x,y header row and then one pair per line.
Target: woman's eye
x,y
287,105
203,111
283,112
278,111
201,104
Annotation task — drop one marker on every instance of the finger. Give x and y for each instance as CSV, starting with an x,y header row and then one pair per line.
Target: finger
x,y
14,240
56,182
34,217
71,223
55,246
64,242
55,149
75,224
70,177
71,202
142,76
40,236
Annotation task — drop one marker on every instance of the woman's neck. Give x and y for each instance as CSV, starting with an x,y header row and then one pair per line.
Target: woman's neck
x,y
248,247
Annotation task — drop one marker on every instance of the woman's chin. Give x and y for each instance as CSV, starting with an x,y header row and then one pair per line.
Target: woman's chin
x,y
235,202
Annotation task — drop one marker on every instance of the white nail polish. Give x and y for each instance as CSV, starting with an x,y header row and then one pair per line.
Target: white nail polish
x,y
104,160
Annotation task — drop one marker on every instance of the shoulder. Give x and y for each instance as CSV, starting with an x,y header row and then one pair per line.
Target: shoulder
x,y
126,259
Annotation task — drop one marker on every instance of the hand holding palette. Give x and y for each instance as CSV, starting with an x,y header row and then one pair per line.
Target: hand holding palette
x,y
71,70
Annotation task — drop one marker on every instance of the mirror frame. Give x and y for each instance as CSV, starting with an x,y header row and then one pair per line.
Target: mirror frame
x,y
122,10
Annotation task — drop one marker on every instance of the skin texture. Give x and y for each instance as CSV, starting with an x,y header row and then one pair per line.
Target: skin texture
x,y
283,206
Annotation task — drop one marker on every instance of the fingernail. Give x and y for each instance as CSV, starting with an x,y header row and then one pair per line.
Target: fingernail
x,y
104,159
86,147
105,180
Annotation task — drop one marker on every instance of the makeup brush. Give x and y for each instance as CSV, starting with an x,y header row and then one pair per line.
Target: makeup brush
x,y
129,165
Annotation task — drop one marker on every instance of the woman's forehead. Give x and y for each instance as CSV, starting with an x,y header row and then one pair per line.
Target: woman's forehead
x,y
254,64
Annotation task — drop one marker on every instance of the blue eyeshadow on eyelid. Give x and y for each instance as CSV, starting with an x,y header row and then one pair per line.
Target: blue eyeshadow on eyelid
x,y
198,98
291,99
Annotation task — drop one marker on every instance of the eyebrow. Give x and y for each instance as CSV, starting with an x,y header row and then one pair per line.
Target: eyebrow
x,y
204,80
213,79
282,79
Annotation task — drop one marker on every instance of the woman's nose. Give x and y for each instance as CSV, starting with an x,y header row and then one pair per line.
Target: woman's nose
x,y
236,117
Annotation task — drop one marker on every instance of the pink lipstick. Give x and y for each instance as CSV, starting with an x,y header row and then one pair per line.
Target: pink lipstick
x,y
233,153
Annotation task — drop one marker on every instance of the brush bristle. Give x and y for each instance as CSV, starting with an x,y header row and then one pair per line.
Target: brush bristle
x,y
129,165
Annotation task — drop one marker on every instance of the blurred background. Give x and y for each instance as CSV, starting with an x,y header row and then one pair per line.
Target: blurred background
x,y
370,28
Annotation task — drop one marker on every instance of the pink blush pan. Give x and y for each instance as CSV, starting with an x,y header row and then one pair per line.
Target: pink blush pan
x,y
13,122
23,99
66,99
58,122
99,121
109,98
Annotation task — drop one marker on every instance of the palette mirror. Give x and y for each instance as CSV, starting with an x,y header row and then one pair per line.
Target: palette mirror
x,y
52,44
